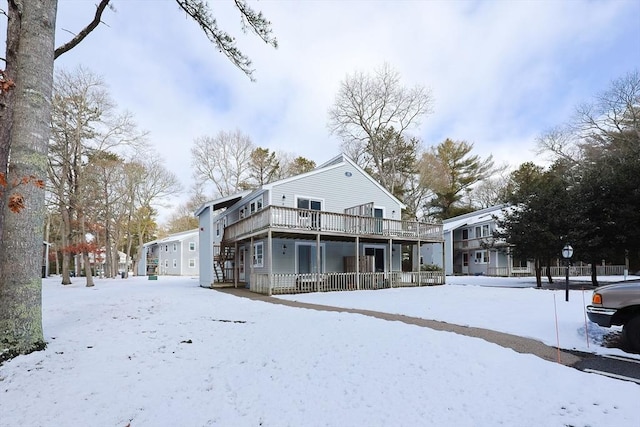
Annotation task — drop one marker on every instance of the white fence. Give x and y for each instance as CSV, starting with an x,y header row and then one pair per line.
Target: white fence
x,y
277,284
557,271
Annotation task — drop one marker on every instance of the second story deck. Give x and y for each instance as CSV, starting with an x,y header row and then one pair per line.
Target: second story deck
x,y
304,221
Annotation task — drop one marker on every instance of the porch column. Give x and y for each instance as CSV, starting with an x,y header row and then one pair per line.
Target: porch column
x,y
236,267
390,274
417,261
251,263
318,266
270,264
443,266
358,262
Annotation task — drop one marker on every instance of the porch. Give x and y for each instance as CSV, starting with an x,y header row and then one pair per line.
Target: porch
x,y
282,250
292,220
292,283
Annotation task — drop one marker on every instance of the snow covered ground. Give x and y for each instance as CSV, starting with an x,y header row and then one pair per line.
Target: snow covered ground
x,y
511,305
135,352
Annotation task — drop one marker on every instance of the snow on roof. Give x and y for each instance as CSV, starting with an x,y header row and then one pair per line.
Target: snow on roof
x,y
471,218
174,237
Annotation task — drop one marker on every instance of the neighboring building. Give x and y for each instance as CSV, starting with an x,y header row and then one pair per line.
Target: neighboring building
x,y
174,255
470,248
97,260
333,228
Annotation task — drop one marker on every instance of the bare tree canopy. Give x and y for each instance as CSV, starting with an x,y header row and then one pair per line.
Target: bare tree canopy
x,y
25,112
222,161
612,114
367,104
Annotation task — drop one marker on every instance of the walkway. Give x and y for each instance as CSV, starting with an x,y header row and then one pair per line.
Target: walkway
x,y
514,342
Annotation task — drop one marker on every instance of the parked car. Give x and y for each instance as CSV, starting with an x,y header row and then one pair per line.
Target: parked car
x,y
618,304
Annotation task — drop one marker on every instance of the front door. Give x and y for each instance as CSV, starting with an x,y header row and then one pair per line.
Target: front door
x,y
465,263
378,254
378,214
241,258
308,260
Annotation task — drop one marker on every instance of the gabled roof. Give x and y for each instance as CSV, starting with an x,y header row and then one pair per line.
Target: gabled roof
x,y
174,237
223,202
471,218
337,161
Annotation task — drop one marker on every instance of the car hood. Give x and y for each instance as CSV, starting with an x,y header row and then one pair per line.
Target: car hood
x,y
619,286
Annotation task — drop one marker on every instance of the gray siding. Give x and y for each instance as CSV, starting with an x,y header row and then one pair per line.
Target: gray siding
x,y
205,248
336,190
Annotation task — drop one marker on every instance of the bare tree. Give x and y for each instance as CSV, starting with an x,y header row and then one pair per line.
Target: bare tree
x,y
612,114
148,183
222,160
86,133
25,111
489,192
183,218
559,142
367,104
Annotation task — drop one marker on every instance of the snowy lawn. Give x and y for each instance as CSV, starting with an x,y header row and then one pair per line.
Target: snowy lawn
x,y
168,353
511,305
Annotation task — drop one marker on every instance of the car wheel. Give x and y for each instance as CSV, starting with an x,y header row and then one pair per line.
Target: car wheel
x,y
631,332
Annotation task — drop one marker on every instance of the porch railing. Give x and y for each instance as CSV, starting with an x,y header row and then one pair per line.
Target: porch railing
x,y
284,283
302,220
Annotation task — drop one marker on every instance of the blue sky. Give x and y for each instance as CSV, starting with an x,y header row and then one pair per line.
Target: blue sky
x,y
501,72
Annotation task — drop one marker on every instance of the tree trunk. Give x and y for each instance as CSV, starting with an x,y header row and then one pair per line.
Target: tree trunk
x,y
594,274
87,269
548,271
31,31
538,268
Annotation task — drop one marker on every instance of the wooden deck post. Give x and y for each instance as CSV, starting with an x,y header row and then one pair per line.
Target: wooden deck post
x,y
357,262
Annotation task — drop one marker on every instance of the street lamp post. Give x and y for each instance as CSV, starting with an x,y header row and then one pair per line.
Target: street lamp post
x,y
567,253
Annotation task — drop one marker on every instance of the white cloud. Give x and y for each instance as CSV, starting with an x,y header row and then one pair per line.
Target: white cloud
x,y
500,72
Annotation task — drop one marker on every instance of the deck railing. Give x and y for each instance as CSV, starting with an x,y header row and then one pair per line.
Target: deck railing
x,y
284,283
291,219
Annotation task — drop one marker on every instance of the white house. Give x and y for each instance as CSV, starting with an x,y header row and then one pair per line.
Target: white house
x,y
332,228
174,255
470,248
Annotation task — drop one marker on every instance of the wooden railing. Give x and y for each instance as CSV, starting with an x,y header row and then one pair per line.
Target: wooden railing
x,y
479,243
291,219
284,283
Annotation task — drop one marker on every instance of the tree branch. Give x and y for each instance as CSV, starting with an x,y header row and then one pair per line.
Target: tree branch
x,y
85,32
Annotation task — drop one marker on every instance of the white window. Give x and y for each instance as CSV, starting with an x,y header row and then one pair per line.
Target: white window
x,y
465,259
166,263
258,255
481,257
166,248
218,228
192,263
175,247
175,263
192,246
482,231
256,205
